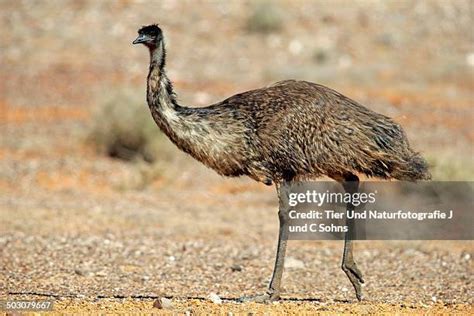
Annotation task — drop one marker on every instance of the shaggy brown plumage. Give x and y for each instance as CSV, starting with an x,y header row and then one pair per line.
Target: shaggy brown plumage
x,y
289,130
286,130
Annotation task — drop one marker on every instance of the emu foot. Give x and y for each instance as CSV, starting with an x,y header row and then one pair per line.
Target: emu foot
x,y
264,298
355,276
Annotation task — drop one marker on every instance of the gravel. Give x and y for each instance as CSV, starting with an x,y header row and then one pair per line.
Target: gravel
x,y
76,228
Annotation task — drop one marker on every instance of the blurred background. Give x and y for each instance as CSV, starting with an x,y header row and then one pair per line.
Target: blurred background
x,y
88,182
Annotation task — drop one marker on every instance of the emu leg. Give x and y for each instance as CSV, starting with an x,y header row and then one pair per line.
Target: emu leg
x,y
274,287
273,292
348,264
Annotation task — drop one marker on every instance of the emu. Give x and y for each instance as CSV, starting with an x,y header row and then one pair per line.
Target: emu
x,y
289,131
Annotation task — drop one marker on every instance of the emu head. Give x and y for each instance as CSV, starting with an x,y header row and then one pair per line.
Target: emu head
x,y
150,36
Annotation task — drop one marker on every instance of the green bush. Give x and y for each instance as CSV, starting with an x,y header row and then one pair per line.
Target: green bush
x,y
265,17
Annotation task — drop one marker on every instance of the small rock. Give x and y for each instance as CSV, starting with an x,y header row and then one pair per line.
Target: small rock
x,y
250,254
344,289
162,303
213,297
236,267
293,263
434,299
157,304
166,303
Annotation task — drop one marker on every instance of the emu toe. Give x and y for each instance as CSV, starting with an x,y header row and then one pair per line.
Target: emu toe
x,y
355,276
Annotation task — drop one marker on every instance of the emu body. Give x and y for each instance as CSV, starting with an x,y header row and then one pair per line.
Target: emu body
x,y
291,130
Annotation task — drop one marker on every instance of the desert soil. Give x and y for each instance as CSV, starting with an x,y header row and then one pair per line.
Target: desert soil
x,y
97,234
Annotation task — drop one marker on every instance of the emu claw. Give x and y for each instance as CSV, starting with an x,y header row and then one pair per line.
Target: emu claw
x,y
264,298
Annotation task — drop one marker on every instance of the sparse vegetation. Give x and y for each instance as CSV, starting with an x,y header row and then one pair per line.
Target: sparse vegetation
x,y
266,17
321,56
123,128
445,167
110,227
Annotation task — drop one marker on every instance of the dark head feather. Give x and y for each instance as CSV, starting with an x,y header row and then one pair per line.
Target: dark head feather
x,y
152,29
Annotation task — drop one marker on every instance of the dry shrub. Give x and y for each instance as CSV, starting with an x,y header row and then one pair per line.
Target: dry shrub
x,y
123,128
266,17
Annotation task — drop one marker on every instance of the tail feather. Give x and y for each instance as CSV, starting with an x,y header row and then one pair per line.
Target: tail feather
x,y
411,168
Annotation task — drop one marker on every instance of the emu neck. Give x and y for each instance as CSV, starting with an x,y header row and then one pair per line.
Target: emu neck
x,y
196,131
158,55
160,96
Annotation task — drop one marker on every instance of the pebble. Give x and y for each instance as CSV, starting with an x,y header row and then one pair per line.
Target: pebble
x,y
293,263
213,297
236,267
79,272
162,303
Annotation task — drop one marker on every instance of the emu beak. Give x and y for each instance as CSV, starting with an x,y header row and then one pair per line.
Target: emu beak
x,y
140,39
